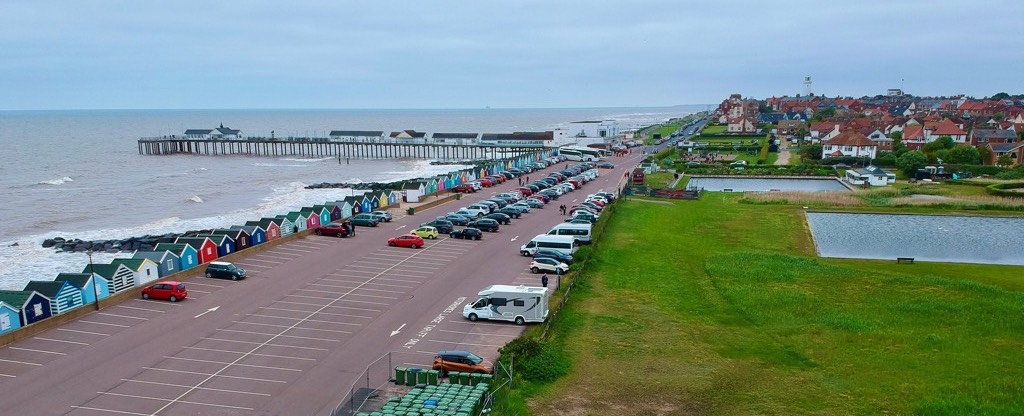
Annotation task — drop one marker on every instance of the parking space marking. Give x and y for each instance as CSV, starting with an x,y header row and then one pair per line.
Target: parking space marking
x,y
319,313
346,300
173,401
261,260
273,257
190,283
280,335
255,353
392,279
344,287
19,362
60,340
144,309
464,343
375,268
8,375
122,316
265,345
213,375
199,291
337,331
103,323
83,332
250,265
354,294
478,333
200,388
386,253
371,283
422,270
310,247
299,319
446,256
235,363
120,412
32,350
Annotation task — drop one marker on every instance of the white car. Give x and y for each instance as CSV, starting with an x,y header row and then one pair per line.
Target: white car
x,y
472,212
522,205
550,265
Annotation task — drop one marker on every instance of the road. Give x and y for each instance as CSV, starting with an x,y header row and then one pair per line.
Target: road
x,y
293,337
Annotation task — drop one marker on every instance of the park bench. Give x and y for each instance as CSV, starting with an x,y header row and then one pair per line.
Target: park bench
x,y
904,259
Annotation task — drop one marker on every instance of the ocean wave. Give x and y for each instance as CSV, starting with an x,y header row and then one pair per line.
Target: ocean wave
x,y
195,198
59,181
278,165
309,160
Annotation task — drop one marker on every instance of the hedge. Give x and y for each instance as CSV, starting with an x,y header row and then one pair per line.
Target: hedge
x,y
1000,189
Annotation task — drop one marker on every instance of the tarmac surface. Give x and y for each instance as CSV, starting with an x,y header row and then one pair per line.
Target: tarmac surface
x,y
293,337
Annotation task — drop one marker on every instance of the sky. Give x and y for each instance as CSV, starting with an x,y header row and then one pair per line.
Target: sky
x,y
227,54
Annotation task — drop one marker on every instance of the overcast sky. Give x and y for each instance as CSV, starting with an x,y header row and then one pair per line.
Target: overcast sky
x,y
470,54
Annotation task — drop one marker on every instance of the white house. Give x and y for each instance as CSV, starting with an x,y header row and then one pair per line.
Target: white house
x,y
871,175
217,133
850,143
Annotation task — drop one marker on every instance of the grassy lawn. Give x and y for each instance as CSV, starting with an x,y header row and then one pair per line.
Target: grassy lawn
x,y
711,129
722,308
659,180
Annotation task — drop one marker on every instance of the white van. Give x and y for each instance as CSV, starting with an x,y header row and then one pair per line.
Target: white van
x,y
581,232
563,243
519,304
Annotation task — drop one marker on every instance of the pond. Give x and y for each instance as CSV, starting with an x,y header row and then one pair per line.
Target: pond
x,y
939,238
767,184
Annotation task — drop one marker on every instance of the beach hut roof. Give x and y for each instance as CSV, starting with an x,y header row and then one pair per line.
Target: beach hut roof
x,y
78,280
15,297
175,248
105,270
48,289
155,256
134,264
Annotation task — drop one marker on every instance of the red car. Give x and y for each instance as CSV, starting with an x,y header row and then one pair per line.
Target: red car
x,y
169,290
486,183
407,240
464,188
525,191
333,229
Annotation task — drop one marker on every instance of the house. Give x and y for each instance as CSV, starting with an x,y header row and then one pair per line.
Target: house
x,y
63,296
824,130
363,136
91,286
333,212
913,136
408,134
935,129
118,276
849,144
188,257
1015,150
10,316
298,220
166,262
31,306
742,124
983,136
239,236
789,127
215,134
869,176
225,244
455,138
205,248
414,190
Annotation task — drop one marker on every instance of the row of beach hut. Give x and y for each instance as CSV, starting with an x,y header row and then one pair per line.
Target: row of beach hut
x,y
42,299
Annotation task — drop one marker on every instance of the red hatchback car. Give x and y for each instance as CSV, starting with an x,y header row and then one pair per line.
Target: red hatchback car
x,y
486,183
169,290
525,191
464,188
407,240
333,229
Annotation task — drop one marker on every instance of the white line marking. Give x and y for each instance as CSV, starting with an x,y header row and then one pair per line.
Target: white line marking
x,y
191,283
255,353
8,375
318,313
280,335
265,261
199,291
213,309
122,316
213,375
32,350
143,309
103,323
515,238
399,228
478,333
293,327
274,257
266,345
393,333
299,319
20,362
60,340
121,412
83,332
235,363
200,388
171,401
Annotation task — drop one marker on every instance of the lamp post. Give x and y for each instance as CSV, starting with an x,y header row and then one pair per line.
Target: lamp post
x,y
92,275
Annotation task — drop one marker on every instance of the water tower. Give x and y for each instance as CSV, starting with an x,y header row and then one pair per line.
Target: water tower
x,y
807,86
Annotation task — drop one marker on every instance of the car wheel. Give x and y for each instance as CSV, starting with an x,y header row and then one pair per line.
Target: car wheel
x,y
478,238
208,274
520,320
339,235
451,235
391,243
173,299
472,317
145,295
432,237
525,253
415,246
318,232
374,224
534,270
234,277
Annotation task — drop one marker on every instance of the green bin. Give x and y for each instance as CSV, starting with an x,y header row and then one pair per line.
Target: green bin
x,y
466,379
474,379
431,378
400,375
453,377
421,377
410,379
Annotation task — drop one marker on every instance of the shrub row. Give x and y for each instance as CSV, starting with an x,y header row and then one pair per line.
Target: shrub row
x,y
1000,189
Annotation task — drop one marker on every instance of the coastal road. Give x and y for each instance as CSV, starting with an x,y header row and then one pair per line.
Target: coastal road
x,y
294,336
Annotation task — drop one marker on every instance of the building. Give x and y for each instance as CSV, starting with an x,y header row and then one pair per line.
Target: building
x,y
869,176
849,144
218,133
364,136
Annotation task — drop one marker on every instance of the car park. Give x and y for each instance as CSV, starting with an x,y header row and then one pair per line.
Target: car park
x,y
383,214
583,216
494,203
442,226
523,206
550,194
332,229
167,290
486,183
467,233
407,240
555,254
365,220
484,224
485,208
548,264
426,231
460,361
224,270
525,191
501,218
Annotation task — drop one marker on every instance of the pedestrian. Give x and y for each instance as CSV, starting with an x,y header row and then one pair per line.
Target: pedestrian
x,y
544,280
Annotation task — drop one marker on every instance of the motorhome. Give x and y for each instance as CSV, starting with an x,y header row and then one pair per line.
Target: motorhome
x,y
519,304
581,232
563,243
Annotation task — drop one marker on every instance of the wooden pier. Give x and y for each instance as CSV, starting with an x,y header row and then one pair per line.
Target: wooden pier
x,y
320,147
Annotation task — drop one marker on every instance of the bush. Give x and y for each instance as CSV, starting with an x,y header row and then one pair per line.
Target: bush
x,y
535,360
1000,189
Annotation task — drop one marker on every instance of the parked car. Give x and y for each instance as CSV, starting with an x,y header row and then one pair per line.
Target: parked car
x,y
365,220
407,240
460,361
383,214
224,270
523,206
332,229
486,183
582,216
511,212
474,212
555,254
535,203
455,219
485,224
501,218
167,290
525,191
467,233
426,231
442,226
548,264
606,165
464,188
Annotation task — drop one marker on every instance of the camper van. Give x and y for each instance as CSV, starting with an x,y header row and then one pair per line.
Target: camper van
x,y
519,304
581,232
562,243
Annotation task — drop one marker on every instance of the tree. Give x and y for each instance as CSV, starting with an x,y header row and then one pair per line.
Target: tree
x,y
812,152
962,154
911,161
998,116
897,142
765,108
944,142
825,113
1001,96
1005,160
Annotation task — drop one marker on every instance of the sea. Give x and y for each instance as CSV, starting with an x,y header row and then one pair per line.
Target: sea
x,y
79,174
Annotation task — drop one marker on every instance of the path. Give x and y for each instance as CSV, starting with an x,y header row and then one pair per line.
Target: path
x,y
783,153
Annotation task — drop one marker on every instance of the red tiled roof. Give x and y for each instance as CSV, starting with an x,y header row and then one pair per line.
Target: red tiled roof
x,y
850,138
913,132
944,128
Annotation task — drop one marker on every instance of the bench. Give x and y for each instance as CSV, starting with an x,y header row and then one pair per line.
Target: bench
x,y
905,260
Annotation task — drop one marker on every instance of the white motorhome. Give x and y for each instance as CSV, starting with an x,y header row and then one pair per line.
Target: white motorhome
x,y
581,232
562,243
519,304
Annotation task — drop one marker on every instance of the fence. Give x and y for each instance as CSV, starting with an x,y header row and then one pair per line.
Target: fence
x,y
375,384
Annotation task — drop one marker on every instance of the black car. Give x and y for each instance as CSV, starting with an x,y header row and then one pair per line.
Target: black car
x,y
511,212
549,193
455,219
467,233
555,254
443,226
533,188
500,201
541,185
224,270
499,217
484,224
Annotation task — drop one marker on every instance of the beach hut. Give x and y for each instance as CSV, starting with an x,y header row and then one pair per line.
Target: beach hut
x,y
324,211
187,255
382,199
225,244
89,285
365,203
354,202
394,197
256,234
205,247
271,228
237,234
119,277
32,306
10,317
374,200
166,261
143,270
63,296
287,227
312,218
333,212
298,219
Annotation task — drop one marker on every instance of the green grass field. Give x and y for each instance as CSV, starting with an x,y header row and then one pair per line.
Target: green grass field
x,y
713,129
714,307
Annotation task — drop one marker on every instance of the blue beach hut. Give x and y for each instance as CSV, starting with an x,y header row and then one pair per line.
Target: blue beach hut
x,y
225,244
10,317
32,306
188,257
257,235
63,296
365,204
166,261
240,237
89,285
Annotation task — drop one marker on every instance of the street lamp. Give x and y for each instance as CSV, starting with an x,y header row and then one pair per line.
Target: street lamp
x,y
92,275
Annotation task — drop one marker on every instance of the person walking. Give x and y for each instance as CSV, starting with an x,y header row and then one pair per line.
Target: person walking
x,y
544,280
